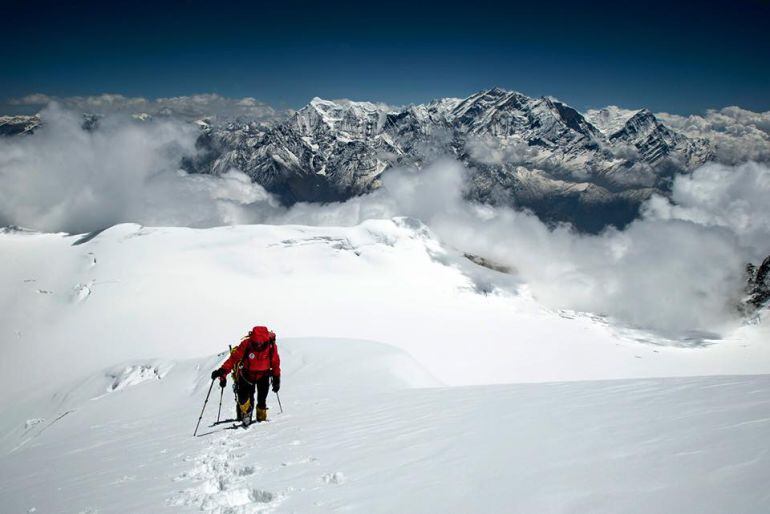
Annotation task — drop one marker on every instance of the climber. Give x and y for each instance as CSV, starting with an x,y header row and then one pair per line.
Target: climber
x,y
253,363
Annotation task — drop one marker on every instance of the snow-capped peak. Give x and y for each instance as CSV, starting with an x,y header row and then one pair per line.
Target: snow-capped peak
x,y
345,115
345,146
609,119
345,104
641,124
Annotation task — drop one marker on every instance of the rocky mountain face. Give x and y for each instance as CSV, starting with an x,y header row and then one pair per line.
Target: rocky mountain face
x,y
25,125
539,154
757,287
16,125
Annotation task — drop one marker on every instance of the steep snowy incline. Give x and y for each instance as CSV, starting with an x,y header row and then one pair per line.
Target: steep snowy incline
x,y
360,433
86,303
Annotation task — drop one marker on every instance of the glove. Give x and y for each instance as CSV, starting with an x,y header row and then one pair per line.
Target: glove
x,y
276,383
222,382
217,373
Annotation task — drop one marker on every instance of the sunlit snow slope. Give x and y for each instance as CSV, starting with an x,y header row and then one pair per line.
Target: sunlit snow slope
x,y
108,341
357,436
136,292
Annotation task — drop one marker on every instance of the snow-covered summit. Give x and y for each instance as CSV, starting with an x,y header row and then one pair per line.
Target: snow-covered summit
x,y
346,103
609,119
654,141
350,119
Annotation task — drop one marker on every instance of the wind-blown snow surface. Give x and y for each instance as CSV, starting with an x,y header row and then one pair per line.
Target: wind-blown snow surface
x,y
108,341
357,436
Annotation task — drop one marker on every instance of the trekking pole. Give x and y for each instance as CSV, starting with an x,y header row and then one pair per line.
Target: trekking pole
x,y
221,392
279,401
204,408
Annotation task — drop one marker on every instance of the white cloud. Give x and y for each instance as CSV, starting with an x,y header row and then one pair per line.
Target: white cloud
x,y
731,197
739,135
677,269
33,99
491,150
67,179
187,108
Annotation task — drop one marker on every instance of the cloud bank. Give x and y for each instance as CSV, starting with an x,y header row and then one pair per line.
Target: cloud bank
x,y
68,179
187,108
676,270
738,135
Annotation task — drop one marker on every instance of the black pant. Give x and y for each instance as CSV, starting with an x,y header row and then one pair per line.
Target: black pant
x,y
245,390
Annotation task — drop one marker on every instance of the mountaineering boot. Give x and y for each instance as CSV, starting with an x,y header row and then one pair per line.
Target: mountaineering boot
x,y
246,412
261,414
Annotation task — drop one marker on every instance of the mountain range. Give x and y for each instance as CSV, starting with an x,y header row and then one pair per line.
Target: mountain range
x,y
592,170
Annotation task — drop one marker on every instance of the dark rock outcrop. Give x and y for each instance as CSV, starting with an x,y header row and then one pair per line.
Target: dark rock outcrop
x,y
757,287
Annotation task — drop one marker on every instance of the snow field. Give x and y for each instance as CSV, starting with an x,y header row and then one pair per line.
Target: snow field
x,y
175,293
371,441
109,340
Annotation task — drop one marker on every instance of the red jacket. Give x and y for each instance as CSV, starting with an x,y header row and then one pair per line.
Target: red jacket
x,y
255,356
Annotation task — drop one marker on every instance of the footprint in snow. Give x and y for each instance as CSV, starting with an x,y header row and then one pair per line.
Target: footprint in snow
x,y
245,471
222,486
333,478
306,460
81,292
32,422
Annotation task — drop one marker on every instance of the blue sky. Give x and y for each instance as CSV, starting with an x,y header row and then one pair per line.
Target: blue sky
x,y
675,57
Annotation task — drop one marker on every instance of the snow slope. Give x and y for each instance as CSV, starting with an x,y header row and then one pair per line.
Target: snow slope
x,y
360,434
108,341
136,292
610,119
